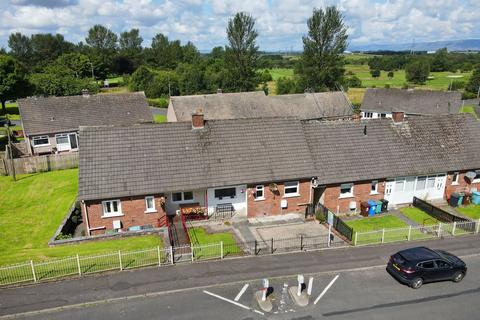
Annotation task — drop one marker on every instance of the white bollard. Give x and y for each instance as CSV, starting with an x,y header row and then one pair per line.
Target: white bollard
x,y
265,289
301,280
310,286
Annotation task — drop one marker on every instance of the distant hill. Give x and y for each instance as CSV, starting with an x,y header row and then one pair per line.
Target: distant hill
x,y
452,45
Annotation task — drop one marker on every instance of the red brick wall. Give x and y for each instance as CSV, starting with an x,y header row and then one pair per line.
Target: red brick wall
x,y
133,209
361,192
271,205
462,185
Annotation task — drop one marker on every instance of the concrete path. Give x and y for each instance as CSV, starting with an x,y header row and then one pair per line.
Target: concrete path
x,y
405,219
168,278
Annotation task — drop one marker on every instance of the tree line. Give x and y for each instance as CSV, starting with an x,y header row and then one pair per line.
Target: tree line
x,y
46,64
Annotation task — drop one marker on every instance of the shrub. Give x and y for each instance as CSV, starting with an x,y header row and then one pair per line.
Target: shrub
x,y
390,74
375,73
320,216
286,85
354,82
417,71
468,95
387,86
457,85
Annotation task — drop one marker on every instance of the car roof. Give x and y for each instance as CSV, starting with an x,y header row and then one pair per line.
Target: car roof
x,y
419,253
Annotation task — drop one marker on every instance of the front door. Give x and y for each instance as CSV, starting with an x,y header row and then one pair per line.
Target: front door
x,y
389,189
73,141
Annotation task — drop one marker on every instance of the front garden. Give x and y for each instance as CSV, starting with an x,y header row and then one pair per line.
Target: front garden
x,y
202,239
32,208
472,211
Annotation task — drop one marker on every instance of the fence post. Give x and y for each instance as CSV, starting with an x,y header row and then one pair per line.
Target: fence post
x,y
454,227
329,235
255,247
272,247
171,255
477,227
383,235
191,249
221,249
301,242
409,232
33,271
159,259
439,229
78,266
355,239
120,260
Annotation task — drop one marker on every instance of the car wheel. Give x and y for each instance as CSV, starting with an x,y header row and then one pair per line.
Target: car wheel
x,y
457,277
417,283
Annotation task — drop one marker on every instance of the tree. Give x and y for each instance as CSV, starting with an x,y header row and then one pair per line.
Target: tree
x,y
440,61
190,53
140,79
390,75
78,63
101,39
20,47
375,73
131,43
286,85
47,47
241,54
13,80
473,84
321,66
191,78
417,71
354,82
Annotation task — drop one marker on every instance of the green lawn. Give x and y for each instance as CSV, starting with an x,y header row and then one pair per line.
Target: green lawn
x,y
472,211
419,216
468,109
159,118
280,72
12,111
376,223
32,208
198,236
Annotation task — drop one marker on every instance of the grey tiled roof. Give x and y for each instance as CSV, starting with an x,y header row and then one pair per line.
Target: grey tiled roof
x,y
420,145
145,159
42,115
258,105
422,102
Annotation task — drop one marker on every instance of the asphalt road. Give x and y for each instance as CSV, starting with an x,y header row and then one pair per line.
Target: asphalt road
x,y
364,294
175,293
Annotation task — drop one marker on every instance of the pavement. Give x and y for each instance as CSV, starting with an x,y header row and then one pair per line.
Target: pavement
x,y
177,292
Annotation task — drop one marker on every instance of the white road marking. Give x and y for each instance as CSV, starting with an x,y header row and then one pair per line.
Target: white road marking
x,y
326,288
239,295
232,302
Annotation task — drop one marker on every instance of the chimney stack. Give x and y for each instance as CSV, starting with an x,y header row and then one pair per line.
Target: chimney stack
x,y
356,117
398,116
198,121
85,93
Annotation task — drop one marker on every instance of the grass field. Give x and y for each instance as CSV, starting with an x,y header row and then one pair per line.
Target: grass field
x,y
472,211
419,216
159,118
198,236
376,223
12,111
469,109
31,210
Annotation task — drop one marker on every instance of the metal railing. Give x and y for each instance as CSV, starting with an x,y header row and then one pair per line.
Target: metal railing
x,y
411,233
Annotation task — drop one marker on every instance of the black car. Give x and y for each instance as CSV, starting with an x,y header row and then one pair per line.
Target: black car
x,y
416,266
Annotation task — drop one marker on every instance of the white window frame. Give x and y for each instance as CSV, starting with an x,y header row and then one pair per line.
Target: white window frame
x,y
291,185
38,138
147,209
455,175
477,180
376,187
63,135
183,197
260,188
346,195
110,214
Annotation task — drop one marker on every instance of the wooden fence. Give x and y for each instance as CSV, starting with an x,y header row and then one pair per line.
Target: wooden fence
x,y
40,163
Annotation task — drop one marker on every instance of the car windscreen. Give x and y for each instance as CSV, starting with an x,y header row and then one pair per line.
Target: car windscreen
x,y
448,256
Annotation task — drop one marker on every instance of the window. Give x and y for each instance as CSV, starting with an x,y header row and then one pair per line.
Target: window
x,y
427,265
259,192
442,264
62,139
431,182
374,187
421,181
291,189
399,184
112,208
182,196
150,204
383,115
225,193
40,141
368,114
346,190
410,184
455,176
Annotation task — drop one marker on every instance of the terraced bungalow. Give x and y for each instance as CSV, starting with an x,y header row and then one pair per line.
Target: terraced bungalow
x,y
132,176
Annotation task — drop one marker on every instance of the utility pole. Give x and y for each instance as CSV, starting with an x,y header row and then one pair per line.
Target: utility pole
x,y
10,153
478,92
